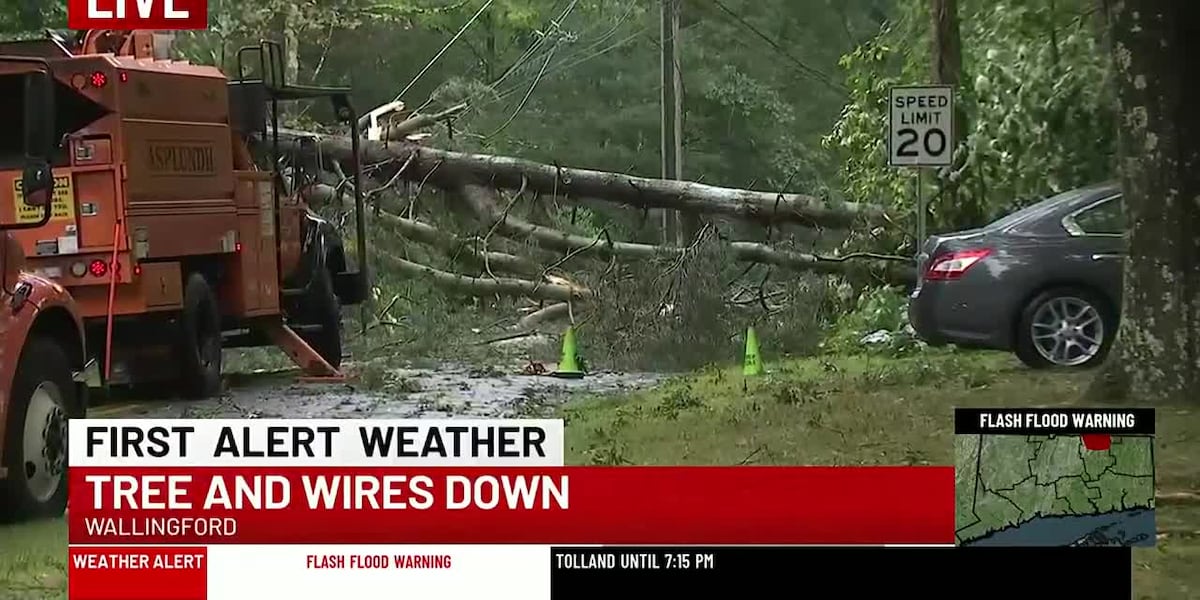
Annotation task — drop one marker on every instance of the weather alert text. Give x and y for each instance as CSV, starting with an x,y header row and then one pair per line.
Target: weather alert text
x,y
191,509
137,14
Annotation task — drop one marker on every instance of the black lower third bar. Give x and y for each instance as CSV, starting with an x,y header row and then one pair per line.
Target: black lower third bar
x,y
838,572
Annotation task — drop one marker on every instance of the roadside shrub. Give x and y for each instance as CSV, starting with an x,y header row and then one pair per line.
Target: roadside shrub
x,y
876,322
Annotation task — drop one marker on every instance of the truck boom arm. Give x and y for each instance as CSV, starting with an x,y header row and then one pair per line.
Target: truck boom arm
x,y
138,43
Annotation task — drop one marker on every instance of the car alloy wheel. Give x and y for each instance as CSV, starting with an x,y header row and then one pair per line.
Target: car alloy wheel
x,y
1067,331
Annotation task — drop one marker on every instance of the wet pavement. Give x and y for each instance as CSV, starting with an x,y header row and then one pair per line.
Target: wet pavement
x,y
414,392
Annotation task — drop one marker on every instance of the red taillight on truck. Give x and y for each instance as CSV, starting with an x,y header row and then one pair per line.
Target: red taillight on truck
x,y
98,268
955,264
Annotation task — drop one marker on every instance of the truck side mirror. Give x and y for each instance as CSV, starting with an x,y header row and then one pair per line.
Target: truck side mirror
x,y
37,183
39,115
37,180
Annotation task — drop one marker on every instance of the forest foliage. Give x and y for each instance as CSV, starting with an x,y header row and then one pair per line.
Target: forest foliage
x,y
780,95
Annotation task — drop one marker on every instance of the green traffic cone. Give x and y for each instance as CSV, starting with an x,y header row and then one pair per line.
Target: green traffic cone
x,y
752,365
568,365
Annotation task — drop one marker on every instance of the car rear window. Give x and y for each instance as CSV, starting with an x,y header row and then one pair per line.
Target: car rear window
x,y
1037,209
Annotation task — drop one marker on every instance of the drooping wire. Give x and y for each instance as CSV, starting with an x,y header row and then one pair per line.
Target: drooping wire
x,y
435,58
811,72
552,29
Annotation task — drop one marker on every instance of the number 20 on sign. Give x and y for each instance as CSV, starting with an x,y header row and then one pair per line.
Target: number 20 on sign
x,y
921,126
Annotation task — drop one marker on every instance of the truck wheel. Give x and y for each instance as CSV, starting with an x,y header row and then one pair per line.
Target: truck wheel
x,y
35,445
200,340
321,308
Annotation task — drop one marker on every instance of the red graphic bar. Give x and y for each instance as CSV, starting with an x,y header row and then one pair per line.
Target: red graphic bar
x,y
569,505
141,573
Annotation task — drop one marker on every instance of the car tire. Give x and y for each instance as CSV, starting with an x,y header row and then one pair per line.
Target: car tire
x,y
42,390
199,346
1038,314
321,308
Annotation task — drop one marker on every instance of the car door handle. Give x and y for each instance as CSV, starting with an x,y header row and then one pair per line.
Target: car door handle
x,y
1108,255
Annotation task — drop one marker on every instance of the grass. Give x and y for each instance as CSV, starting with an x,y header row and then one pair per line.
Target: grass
x,y
33,561
872,411
843,411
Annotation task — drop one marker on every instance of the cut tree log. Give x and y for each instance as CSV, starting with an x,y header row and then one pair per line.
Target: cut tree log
x,y
483,202
486,286
401,130
447,169
553,312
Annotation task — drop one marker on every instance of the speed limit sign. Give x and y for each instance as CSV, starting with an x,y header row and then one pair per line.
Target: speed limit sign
x,y
921,126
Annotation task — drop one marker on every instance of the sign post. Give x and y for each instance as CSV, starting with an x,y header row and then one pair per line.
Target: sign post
x,y
921,134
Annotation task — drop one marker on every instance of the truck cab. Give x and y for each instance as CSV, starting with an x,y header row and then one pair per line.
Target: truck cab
x,y
42,350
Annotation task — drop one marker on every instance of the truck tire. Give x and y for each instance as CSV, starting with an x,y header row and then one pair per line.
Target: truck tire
x,y
199,345
321,308
35,445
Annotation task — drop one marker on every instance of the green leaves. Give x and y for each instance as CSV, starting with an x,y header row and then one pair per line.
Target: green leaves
x,y
1035,97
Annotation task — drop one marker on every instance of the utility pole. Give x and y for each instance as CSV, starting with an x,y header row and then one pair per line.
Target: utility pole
x,y
672,116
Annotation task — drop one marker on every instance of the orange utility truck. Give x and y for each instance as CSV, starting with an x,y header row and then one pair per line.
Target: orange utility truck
x,y
171,223
42,353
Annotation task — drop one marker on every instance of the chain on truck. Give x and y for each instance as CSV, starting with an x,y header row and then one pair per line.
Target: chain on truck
x,y
148,224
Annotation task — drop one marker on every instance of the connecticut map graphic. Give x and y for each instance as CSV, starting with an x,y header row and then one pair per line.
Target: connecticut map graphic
x,y
1054,490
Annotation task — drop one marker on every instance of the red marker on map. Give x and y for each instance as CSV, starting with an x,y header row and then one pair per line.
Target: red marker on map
x,y
1096,441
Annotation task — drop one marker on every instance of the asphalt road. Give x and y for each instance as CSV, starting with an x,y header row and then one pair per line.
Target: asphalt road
x,y
445,391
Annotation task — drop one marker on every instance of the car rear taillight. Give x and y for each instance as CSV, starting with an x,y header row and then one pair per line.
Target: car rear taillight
x,y
954,264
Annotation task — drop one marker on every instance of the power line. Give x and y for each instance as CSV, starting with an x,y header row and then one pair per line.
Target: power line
x,y
807,70
553,27
575,60
528,94
435,58
585,51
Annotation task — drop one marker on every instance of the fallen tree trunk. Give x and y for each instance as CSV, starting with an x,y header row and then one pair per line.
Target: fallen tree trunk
x,y
887,271
482,200
456,247
487,286
448,170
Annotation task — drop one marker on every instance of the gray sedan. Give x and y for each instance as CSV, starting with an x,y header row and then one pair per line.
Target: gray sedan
x,y
1043,282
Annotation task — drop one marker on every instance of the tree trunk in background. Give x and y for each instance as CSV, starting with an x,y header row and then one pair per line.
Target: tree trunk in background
x,y
947,43
1099,20
31,16
291,44
1157,356
675,225
946,56
490,58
